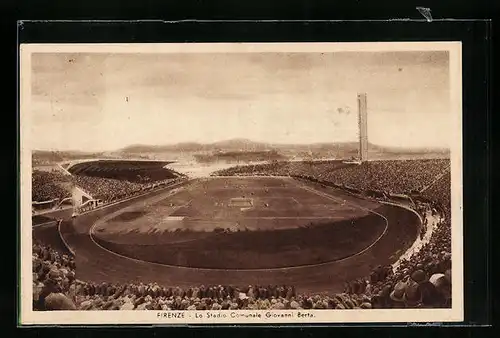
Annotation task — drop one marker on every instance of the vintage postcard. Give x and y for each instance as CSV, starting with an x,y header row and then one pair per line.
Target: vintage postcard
x,y
263,183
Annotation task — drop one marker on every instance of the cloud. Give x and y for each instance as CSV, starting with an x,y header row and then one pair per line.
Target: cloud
x,y
272,97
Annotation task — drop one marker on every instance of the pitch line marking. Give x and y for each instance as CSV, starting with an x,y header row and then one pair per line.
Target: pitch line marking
x,y
59,224
143,262
44,224
320,193
388,203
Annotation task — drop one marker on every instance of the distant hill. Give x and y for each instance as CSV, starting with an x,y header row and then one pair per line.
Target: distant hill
x,y
226,146
229,145
185,147
240,156
238,147
340,149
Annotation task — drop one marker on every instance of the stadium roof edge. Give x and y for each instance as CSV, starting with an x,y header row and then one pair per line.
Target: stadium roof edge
x,y
71,164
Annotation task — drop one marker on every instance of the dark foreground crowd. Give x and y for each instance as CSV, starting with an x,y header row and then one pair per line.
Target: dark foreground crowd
x,y
422,281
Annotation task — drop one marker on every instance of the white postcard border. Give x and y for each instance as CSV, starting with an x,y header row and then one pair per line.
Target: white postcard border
x,y
30,317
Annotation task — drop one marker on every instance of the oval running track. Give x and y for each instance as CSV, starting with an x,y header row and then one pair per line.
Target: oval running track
x,y
97,264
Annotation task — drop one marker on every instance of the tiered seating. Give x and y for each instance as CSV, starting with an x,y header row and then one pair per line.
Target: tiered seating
x,y
389,176
46,187
421,281
108,189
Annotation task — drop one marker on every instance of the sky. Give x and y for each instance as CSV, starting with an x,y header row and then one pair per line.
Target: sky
x,y
99,102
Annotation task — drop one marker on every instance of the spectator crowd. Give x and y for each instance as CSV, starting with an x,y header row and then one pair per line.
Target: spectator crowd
x,y
45,185
109,190
283,168
440,194
422,280
399,177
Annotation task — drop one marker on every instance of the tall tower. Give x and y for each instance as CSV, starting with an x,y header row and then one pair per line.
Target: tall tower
x,y
363,127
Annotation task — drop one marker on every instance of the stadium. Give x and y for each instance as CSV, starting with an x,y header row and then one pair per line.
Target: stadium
x,y
113,234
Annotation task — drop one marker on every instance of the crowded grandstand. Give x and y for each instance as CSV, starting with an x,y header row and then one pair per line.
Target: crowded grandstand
x,y
46,185
106,180
421,279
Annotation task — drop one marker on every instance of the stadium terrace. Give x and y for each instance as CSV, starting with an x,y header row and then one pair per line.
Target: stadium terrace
x,y
417,275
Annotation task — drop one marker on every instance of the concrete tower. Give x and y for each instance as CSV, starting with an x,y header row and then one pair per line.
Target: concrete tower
x,y
363,127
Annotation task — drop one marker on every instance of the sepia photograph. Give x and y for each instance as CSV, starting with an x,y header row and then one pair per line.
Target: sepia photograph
x,y
241,183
